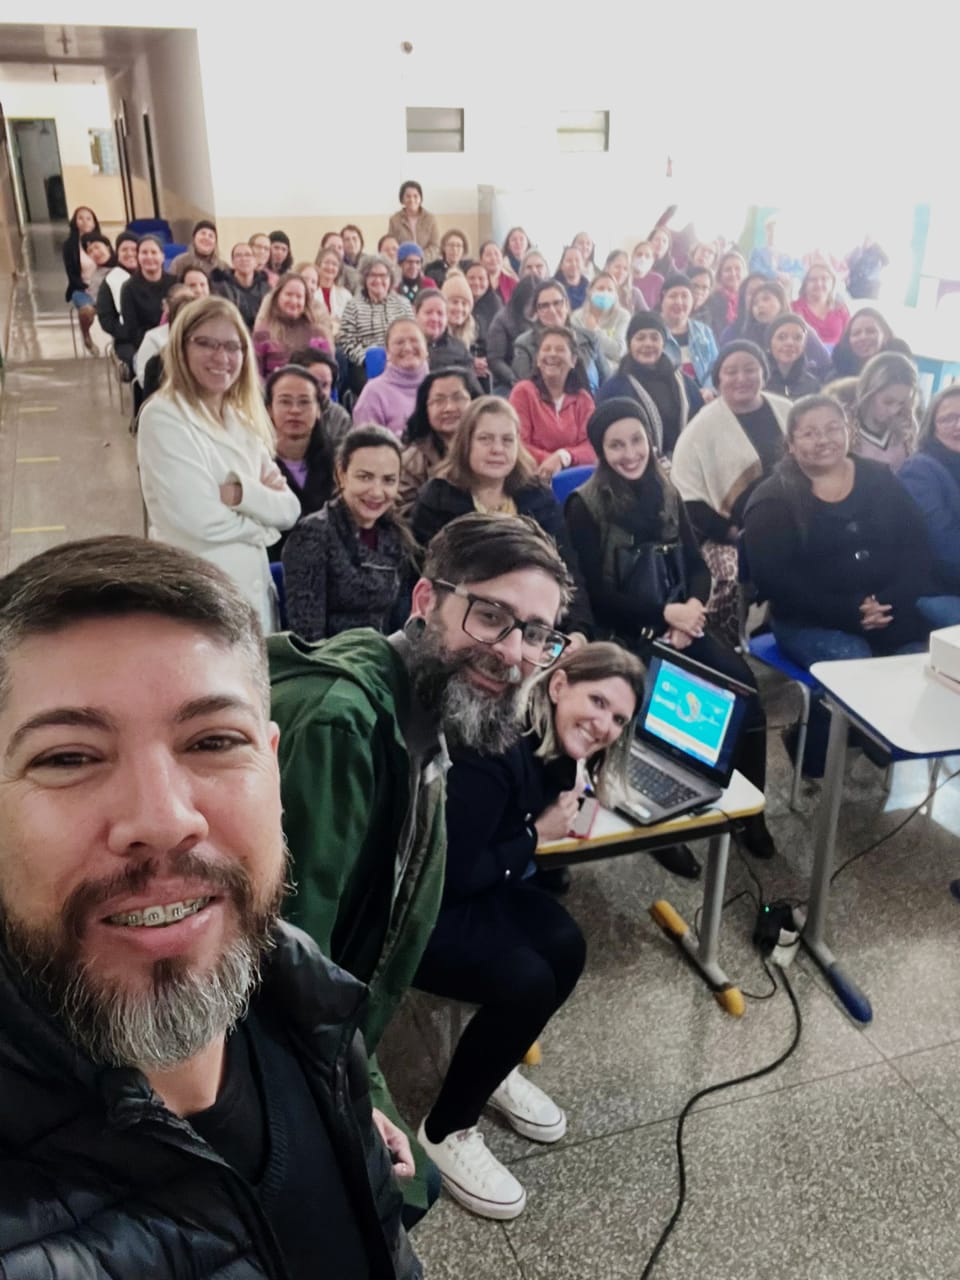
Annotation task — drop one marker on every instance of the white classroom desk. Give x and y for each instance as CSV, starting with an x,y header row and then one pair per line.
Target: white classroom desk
x,y
909,711
613,836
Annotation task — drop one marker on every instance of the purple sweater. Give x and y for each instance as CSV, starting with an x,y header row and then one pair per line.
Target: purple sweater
x,y
389,399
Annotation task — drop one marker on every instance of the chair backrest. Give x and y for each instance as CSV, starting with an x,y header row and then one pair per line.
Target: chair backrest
x,y
158,227
564,482
276,572
375,361
172,251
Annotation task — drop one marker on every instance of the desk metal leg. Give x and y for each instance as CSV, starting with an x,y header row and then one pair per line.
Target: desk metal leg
x,y
813,924
704,956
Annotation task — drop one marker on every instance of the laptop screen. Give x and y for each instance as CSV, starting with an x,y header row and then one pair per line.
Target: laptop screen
x,y
693,714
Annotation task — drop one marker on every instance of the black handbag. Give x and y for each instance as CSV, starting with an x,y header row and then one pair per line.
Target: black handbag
x,y
651,573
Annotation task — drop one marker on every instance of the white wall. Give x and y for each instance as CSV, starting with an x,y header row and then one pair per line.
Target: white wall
x,y
839,107
166,83
75,108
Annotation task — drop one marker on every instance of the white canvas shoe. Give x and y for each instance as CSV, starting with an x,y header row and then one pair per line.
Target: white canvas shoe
x,y
528,1109
474,1176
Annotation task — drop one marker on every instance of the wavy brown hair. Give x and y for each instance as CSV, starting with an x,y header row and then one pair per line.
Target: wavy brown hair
x,y
456,466
293,334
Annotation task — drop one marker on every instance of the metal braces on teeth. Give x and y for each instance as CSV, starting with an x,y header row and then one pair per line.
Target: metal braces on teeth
x,y
154,916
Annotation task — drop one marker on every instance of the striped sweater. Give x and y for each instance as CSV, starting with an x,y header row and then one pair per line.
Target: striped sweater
x,y
364,323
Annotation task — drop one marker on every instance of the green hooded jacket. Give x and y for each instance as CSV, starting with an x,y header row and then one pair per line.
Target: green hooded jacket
x,y
368,871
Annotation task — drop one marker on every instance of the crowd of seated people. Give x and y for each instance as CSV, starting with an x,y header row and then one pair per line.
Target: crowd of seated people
x,y
387,427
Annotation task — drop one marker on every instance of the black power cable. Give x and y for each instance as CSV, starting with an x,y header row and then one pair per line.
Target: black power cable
x,y
862,853
716,1088
798,1026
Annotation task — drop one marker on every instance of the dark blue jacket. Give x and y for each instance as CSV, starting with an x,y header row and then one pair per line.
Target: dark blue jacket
x,y
937,494
492,805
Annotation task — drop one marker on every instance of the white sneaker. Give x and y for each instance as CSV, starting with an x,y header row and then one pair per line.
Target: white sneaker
x,y
474,1176
529,1109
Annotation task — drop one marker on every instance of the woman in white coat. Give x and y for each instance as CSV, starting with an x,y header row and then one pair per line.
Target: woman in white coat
x,y
205,447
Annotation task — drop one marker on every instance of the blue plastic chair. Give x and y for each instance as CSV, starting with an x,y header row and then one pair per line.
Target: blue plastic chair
x,y
172,251
158,227
764,648
276,572
564,482
374,361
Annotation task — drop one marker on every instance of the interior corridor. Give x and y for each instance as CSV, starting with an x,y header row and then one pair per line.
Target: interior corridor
x,y
68,464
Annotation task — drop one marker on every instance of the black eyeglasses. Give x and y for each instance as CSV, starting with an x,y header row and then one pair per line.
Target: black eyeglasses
x,y
490,622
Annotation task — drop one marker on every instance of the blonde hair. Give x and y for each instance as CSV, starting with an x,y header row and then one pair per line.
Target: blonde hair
x,y
844,391
300,267
292,334
244,396
887,369
455,468
456,285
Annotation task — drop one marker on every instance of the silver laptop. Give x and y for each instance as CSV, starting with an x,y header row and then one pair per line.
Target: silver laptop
x,y
685,738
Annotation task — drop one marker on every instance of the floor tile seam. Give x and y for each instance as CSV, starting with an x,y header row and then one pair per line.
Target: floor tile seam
x,y
511,1249
926,1102
704,1107
927,1048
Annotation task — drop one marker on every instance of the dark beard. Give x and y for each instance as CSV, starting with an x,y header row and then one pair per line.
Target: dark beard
x,y
182,1011
470,718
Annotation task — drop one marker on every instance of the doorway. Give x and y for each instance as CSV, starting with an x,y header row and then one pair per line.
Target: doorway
x,y
36,154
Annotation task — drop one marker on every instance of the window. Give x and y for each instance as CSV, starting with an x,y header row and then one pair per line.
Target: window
x,y
584,131
434,129
103,152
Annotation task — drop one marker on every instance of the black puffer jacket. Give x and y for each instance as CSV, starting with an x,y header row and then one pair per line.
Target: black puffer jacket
x,y
98,1179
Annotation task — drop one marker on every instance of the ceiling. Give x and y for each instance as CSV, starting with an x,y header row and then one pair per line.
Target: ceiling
x,y
67,73
109,47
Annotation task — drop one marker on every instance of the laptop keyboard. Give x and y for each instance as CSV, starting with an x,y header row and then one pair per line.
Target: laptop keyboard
x,y
658,786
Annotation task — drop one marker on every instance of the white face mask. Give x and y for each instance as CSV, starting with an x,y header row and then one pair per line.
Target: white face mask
x,y
641,266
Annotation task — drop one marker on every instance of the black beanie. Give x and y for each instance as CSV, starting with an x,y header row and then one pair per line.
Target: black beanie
x,y
204,225
676,281
788,317
127,237
741,344
615,410
646,320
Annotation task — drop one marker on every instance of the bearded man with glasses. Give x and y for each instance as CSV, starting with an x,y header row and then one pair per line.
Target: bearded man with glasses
x,y
366,721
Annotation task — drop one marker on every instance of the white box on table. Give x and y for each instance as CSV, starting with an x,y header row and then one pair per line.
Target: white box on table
x,y
945,653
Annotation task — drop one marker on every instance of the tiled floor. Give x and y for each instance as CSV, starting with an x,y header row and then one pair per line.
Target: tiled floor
x,y
844,1165
67,459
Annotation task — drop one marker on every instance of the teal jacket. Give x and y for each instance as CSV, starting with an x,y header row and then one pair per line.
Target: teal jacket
x,y
346,785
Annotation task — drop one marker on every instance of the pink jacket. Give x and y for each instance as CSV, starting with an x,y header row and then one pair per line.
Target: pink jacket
x,y
389,399
830,329
543,429
273,355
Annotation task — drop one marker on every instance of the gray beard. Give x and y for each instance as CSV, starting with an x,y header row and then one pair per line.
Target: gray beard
x,y
178,1015
470,718
167,1025
481,722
